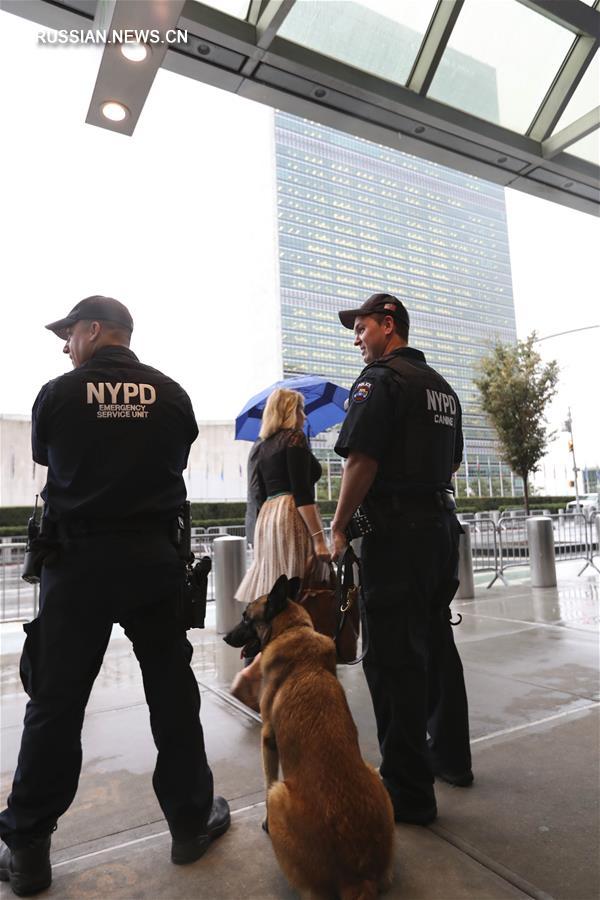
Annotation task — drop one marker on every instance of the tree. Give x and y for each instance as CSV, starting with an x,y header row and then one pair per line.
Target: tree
x,y
516,388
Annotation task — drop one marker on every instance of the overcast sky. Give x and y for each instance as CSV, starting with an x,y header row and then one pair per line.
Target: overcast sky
x,y
178,223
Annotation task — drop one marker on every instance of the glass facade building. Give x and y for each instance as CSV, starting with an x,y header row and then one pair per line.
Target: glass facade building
x,y
356,218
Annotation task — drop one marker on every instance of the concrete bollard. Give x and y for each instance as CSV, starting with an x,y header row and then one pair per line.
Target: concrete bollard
x,y
229,560
466,588
540,537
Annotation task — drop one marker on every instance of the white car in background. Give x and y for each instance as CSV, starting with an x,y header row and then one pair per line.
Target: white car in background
x,y
588,504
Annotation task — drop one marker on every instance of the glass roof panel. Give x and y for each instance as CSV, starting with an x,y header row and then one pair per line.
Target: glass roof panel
x,y
587,148
500,62
237,8
379,36
586,96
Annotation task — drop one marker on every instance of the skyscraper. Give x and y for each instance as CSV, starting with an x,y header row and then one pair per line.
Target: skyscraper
x,y
356,218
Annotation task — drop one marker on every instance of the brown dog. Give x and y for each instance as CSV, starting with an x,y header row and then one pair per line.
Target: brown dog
x,y
330,819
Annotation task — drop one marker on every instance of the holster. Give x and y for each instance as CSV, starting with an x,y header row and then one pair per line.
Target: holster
x,y
192,610
42,550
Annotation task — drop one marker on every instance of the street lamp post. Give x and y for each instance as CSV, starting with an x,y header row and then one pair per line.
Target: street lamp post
x,y
569,427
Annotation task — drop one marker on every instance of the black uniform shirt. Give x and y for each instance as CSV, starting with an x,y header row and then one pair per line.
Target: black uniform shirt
x,y
115,435
409,421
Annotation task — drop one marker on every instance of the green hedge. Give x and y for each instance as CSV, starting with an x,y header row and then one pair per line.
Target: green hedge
x,y
13,519
482,504
15,515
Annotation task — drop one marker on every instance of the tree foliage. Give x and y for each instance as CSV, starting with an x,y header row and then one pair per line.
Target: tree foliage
x,y
516,388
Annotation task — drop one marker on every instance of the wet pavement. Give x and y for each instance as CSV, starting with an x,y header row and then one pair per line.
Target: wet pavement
x,y
529,827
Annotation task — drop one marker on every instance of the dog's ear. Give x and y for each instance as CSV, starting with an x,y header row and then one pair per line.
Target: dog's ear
x,y
277,599
293,587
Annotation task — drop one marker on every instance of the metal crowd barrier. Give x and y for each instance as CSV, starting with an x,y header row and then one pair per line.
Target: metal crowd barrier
x,y
495,547
513,548
19,600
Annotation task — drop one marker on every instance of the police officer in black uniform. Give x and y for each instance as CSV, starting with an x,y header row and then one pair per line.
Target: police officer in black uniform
x,y
115,435
402,438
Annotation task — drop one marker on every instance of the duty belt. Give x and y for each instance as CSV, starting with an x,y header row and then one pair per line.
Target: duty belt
x,y
89,527
442,500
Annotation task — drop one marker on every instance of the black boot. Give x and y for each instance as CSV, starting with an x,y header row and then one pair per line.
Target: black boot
x,y
188,851
27,868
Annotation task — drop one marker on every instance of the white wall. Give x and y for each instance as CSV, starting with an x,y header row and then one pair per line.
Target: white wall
x,y
216,468
217,464
20,478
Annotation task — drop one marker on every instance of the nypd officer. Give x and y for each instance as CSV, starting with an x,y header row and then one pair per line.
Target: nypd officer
x,y
402,439
115,435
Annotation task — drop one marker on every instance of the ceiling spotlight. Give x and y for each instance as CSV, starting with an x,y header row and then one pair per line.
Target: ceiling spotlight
x,y
134,51
114,111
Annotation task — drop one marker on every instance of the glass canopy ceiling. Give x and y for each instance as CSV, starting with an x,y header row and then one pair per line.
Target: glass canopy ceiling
x,y
508,90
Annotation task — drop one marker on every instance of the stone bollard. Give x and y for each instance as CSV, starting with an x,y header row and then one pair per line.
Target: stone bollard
x,y
540,537
229,560
466,588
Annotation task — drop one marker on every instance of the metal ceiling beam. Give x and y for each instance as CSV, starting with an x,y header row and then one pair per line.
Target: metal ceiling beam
x,y
118,78
572,14
563,87
571,134
434,43
269,16
272,17
223,51
49,15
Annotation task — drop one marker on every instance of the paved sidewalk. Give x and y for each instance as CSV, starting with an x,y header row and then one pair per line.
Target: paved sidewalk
x,y
527,828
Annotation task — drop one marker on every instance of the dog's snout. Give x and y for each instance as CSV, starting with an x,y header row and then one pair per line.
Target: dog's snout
x,y
240,635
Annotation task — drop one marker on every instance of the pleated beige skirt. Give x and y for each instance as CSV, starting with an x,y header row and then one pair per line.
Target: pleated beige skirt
x,y
282,546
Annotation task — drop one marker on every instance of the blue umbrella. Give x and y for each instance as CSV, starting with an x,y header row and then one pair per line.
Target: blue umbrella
x,y
323,405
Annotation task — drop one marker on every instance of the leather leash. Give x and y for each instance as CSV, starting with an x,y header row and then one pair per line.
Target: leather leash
x,y
344,585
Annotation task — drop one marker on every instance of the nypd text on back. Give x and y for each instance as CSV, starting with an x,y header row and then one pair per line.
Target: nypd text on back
x,y
442,404
116,401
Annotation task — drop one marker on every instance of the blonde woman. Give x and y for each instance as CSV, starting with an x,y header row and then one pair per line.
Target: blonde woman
x,y
289,537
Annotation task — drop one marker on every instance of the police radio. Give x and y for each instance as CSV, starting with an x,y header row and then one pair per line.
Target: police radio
x,y
196,573
32,562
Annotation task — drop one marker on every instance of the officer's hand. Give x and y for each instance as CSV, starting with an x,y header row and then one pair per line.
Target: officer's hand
x,y
339,542
321,551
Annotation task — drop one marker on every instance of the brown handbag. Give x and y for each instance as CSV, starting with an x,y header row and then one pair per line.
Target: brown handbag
x,y
334,610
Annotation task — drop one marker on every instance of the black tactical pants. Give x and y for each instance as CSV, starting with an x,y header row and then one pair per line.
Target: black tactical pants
x,y
135,580
412,666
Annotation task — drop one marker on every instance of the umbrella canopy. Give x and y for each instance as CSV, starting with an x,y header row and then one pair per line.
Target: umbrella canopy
x,y
323,405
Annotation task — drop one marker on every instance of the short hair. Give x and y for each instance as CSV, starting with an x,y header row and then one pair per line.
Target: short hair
x,y
281,411
401,328
117,331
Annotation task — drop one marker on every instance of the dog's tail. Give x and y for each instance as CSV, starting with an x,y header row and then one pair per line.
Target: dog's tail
x,y
364,890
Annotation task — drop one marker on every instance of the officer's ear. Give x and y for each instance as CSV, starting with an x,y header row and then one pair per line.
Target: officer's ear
x,y
95,331
388,324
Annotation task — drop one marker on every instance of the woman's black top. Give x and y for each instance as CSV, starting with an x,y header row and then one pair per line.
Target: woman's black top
x,y
286,465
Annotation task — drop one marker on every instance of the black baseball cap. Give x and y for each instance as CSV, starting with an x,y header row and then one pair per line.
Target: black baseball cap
x,y
377,303
103,309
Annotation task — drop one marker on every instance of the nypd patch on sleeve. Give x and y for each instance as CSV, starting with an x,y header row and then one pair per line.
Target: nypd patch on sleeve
x,y
362,391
